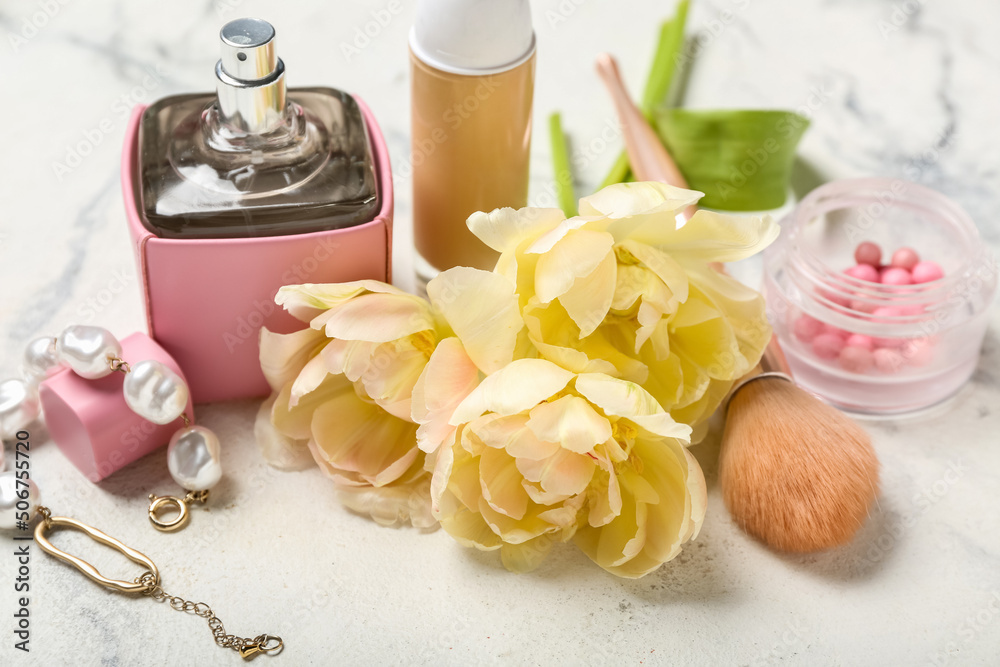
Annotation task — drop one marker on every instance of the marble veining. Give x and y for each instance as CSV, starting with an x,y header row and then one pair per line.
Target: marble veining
x,y
902,88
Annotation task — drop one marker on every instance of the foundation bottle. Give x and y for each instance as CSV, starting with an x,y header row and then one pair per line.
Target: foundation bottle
x,y
472,66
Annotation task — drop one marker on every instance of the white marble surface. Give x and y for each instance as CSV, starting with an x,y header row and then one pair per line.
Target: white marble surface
x,y
276,553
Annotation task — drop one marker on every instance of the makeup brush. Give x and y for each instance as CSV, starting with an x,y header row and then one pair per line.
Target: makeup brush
x,y
795,472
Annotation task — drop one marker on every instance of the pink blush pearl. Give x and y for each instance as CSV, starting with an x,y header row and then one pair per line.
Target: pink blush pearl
x,y
862,306
827,346
895,276
887,361
926,272
860,340
863,272
807,327
868,253
882,314
905,258
856,359
836,331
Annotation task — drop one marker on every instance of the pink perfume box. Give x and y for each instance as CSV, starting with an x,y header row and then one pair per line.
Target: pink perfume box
x,y
206,299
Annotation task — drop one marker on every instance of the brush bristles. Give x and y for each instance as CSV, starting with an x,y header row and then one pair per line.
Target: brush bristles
x,y
795,473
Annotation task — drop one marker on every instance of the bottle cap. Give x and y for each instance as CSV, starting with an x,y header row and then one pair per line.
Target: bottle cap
x,y
91,423
473,37
250,77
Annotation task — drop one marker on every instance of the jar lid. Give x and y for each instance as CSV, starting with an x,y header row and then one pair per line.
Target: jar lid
x,y
91,423
473,37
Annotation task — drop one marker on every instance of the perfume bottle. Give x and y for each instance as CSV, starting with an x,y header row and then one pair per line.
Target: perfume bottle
x,y
230,196
472,67
251,160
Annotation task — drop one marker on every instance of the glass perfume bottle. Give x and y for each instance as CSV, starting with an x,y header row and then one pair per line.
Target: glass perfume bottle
x,y
250,161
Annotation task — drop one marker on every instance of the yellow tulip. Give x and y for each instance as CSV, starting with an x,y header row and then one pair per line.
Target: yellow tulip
x,y
539,455
345,384
623,290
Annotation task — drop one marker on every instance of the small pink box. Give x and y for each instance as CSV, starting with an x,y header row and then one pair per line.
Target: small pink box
x,y
92,424
206,299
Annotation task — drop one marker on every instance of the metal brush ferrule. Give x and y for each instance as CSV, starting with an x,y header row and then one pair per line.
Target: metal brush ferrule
x,y
251,78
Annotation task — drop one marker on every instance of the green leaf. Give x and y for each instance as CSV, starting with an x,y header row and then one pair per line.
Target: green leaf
x,y
560,163
740,159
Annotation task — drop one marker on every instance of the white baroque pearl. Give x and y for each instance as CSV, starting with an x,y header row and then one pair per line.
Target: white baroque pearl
x,y
40,358
155,392
194,458
19,406
10,493
86,350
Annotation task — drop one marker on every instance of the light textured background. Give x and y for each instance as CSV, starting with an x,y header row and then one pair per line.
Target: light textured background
x,y
275,553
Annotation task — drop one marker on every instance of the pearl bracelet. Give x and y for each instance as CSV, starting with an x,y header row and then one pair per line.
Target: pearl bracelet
x,y
151,390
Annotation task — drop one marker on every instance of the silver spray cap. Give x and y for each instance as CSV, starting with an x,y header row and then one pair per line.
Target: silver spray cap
x,y
251,77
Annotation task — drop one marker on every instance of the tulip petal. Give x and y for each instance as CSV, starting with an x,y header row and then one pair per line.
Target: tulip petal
x,y
449,376
500,483
565,472
279,450
516,387
589,299
482,308
380,318
715,237
304,301
310,377
576,255
630,401
571,422
512,434
503,229
643,198
359,437
282,356
294,421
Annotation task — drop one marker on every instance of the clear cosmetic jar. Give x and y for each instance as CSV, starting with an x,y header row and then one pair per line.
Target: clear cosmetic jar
x,y
913,345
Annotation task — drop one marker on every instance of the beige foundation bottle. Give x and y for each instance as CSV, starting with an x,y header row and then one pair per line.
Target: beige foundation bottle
x,y
472,65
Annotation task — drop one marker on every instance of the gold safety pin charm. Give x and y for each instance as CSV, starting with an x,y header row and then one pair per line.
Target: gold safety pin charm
x,y
48,522
149,582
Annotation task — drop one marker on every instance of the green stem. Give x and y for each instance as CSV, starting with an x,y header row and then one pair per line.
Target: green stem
x,y
560,162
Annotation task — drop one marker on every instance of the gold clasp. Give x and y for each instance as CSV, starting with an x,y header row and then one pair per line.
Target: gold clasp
x,y
89,570
261,644
160,503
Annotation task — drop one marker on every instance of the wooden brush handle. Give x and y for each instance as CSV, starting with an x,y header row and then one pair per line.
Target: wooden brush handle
x,y
651,161
649,158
